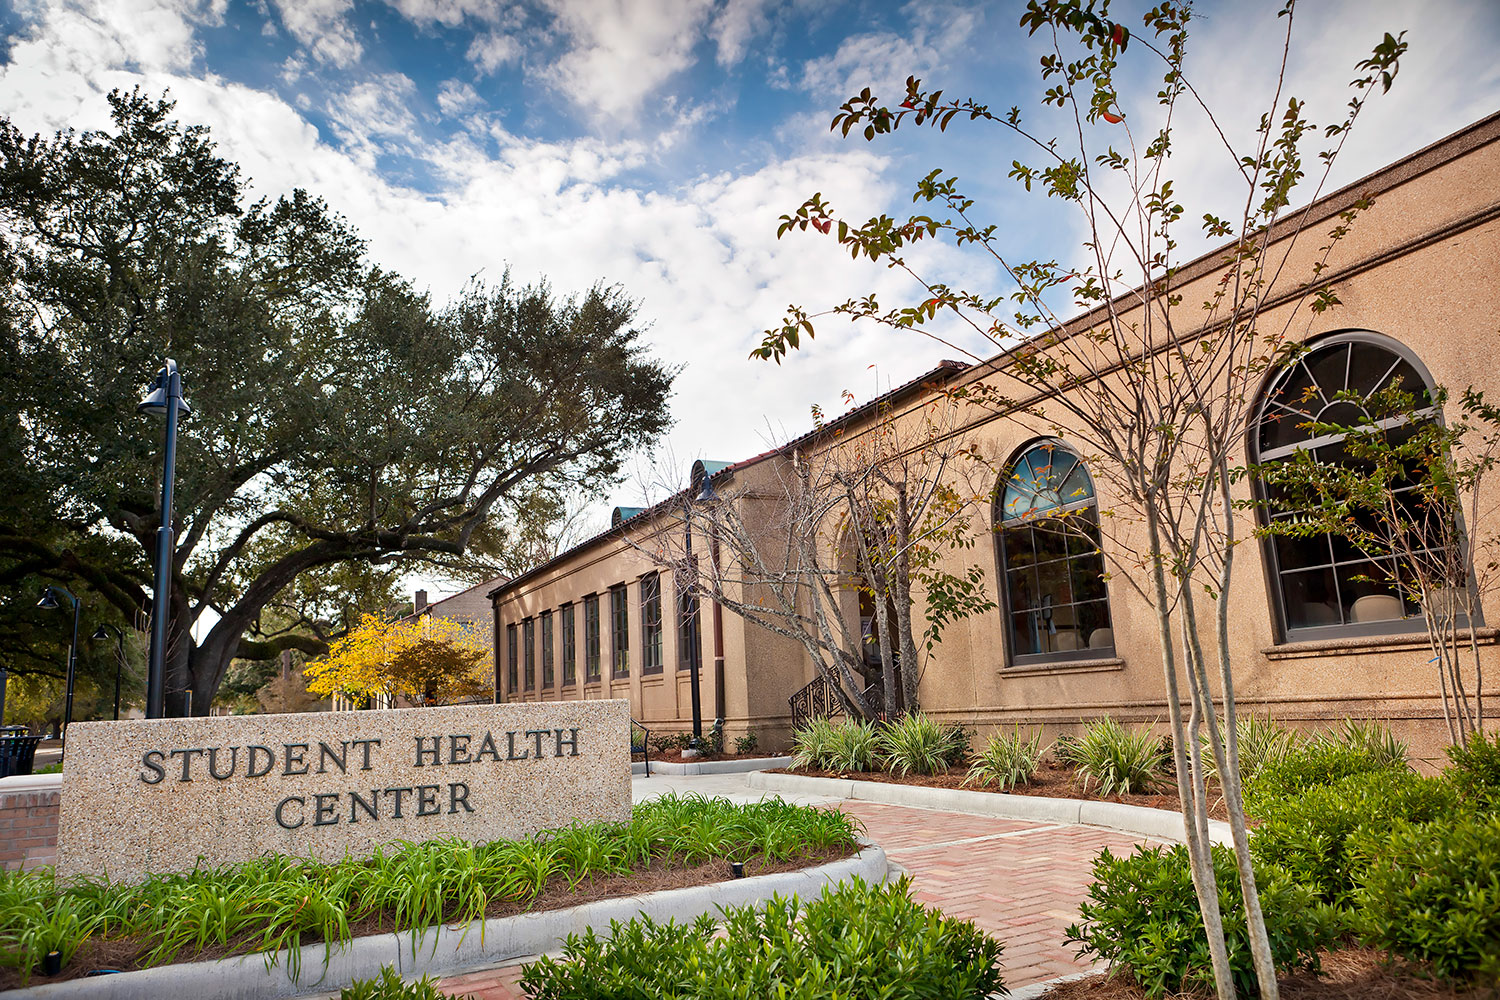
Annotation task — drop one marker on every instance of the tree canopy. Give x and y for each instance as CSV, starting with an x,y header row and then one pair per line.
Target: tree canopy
x,y
339,417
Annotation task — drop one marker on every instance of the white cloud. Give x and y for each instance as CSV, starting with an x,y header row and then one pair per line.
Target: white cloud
x,y
491,50
455,97
450,13
322,27
621,51
370,114
736,24
882,60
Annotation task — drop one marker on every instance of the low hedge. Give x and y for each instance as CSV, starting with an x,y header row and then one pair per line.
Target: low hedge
x,y
855,940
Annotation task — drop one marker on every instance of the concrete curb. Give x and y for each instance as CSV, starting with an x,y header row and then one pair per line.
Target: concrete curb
x,y
638,768
1147,822
452,949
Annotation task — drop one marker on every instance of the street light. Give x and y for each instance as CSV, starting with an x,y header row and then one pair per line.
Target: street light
x,y
165,400
49,603
100,634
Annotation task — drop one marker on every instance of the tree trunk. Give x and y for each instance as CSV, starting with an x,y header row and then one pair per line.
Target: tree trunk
x,y
1200,858
909,676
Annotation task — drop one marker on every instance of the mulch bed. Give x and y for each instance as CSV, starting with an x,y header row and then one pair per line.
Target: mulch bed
x,y
1053,780
1350,974
124,955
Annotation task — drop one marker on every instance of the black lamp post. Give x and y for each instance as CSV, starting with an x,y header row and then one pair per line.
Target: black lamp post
x,y
165,400
49,602
100,634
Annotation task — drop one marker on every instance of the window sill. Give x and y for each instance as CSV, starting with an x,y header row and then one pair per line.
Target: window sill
x,y
1487,635
1100,665
653,679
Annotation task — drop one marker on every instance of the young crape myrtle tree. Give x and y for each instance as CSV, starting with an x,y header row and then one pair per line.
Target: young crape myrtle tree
x,y
1404,487
851,521
1152,385
339,417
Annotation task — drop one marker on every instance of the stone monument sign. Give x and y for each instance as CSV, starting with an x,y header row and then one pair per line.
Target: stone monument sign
x,y
155,795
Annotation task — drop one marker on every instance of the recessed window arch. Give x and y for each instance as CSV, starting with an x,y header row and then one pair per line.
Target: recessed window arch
x,y
1324,586
1055,602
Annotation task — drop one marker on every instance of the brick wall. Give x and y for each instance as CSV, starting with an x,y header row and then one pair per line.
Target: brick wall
x,y
28,820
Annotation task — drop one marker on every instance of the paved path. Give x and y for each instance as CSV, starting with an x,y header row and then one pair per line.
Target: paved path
x,y
1018,880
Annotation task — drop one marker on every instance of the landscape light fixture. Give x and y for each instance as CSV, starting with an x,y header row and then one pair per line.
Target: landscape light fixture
x,y
100,634
164,400
49,602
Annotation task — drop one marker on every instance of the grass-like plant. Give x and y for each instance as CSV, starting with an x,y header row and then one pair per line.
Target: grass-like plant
x,y
1007,760
1116,760
1261,741
275,903
390,986
915,744
1370,738
853,746
813,743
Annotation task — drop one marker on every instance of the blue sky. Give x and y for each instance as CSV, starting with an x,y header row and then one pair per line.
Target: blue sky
x,y
654,144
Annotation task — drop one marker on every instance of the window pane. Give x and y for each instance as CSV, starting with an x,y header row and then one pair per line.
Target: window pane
x,y
1093,618
1368,593
528,652
1021,589
591,637
1053,584
1328,369
619,613
1023,636
547,674
1311,598
569,647
1088,578
651,638
512,664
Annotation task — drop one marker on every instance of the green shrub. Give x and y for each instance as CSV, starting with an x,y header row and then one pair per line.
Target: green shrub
x,y
746,743
1143,916
1007,760
55,768
915,744
390,986
1431,893
960,745
813,744
1311,835
855,940
1475,770
1317,763
852,746
1117,760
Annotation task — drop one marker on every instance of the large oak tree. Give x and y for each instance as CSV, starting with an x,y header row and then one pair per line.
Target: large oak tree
x,y
338,416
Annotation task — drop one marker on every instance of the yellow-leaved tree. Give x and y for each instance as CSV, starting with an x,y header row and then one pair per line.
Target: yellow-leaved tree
x,y
430,661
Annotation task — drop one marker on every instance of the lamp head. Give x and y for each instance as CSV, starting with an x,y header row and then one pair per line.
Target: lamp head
x,y
99,634
49,600
163,387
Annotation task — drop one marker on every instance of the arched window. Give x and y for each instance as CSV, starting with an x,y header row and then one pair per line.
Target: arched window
x,y
1056,605
1324,586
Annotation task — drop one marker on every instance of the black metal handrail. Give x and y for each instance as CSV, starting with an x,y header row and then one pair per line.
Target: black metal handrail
x,y
816,699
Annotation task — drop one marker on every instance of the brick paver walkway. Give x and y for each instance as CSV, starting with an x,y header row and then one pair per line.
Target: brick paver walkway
x,y
1019,881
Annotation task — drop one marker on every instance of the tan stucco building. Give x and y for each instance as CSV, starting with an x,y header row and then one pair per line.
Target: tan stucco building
x,y
1313,638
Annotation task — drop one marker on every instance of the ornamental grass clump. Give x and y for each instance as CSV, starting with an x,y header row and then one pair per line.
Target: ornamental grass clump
x,y
915,744
1115,760
276,903
854,940
1007,760
1260,742
813,744
853,746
